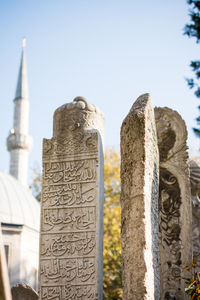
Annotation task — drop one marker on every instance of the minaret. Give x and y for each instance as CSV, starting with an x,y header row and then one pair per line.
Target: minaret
x,y
19,142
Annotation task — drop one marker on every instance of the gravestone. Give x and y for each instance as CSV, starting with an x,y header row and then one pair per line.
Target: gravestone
x,y
71,238
139,202
195,191
174,204
23,291
5,293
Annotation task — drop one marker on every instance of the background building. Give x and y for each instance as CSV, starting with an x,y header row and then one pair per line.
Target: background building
x,y
19,210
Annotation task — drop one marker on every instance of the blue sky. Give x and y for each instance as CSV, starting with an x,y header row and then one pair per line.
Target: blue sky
x,y
109,51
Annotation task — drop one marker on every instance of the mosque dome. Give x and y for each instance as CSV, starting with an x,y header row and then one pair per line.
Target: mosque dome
x,y
18,206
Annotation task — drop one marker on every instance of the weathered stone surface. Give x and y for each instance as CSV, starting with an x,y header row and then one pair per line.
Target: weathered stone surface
x,y
23,292
139,202
175,215
195,191
71,244
195,180
5,293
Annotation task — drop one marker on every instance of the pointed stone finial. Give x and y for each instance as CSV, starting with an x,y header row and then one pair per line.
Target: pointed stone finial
x,y
24,43
22,84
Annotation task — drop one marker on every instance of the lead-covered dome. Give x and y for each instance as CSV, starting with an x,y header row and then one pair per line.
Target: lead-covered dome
x,y
17,205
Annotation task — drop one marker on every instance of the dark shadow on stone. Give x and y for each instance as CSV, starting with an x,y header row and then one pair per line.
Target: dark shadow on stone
x,y
23,292
155,229
166,142
169,210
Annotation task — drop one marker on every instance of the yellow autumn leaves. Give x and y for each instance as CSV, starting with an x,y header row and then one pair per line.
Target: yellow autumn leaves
x,y
112,227
193,282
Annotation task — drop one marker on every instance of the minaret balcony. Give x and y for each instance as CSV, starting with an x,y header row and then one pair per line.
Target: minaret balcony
x,y
19,141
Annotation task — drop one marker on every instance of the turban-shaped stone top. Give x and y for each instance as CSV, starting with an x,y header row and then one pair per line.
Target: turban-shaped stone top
x,y
76,116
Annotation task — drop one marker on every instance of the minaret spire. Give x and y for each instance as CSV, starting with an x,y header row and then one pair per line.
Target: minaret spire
x,y
22,84
19,142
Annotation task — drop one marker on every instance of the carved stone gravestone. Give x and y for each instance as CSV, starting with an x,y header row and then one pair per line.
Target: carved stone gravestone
x,y
71,239
175,215
195,191
139,202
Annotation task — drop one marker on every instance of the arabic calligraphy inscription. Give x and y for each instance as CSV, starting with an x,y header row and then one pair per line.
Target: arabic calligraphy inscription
x,y
70,212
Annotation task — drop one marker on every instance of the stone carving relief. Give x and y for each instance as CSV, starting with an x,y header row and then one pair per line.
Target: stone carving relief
x,y
195,181
70,171
77,116
68,292
71,207
69,194
170,229
74,143
174,203
195,191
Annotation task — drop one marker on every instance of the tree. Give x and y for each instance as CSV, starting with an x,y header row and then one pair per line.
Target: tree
x,y
112,227
36,185
193,30
112,286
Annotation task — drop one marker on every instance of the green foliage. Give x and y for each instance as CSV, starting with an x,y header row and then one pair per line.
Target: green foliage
x,y
193,30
